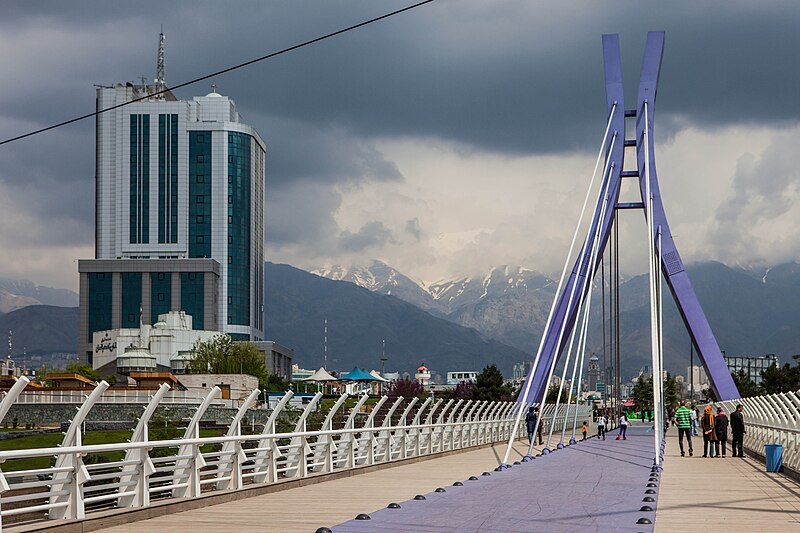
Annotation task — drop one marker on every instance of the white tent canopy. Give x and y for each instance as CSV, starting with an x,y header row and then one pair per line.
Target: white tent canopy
x,y
320,375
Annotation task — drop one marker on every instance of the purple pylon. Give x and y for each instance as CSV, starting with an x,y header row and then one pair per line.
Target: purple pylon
x,y
671,266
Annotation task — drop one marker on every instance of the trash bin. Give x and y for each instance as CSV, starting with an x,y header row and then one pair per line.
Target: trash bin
x,y
774,456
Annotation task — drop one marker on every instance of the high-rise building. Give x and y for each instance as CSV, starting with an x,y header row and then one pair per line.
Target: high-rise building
x,y
594,374
179,222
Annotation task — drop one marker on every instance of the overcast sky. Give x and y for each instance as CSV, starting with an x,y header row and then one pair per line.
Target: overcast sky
x,y
451,138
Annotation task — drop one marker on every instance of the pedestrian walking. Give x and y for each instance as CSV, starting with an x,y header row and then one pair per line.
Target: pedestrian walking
x,y
737,432
601,427
709,434
683,420
584,430
721,428
623,427
530,421
694,420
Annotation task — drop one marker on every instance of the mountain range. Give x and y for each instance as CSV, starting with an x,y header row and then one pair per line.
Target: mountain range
x,y
16,294
466,323
751,311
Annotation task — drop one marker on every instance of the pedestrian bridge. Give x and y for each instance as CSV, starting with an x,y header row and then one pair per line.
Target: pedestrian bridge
x,y
437,461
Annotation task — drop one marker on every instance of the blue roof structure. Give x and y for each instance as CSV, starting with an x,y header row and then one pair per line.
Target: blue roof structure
x,y
358,374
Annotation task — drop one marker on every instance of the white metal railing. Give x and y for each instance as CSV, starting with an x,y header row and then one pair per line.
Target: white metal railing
x,y
771,419
87,478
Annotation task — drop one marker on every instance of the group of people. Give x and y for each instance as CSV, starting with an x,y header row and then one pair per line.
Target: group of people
x,y
714,428
535,430
713,424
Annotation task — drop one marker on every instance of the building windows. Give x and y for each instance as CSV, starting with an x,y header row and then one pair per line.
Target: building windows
x,y
139,179
99,303
239,205
131,299
167,178
192,297
200,194
160,294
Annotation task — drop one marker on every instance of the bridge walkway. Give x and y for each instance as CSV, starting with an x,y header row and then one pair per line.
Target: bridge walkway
x,y
593,486
330,502
730,494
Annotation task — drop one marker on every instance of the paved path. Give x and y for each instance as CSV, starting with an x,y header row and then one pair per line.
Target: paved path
x,y
592,486
304,509
725,494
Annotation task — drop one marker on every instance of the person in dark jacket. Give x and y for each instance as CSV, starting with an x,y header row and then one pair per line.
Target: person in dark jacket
x,y
721,427
530,421
737,431
709,434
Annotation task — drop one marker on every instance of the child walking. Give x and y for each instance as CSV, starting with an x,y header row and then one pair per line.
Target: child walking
x,y
583,430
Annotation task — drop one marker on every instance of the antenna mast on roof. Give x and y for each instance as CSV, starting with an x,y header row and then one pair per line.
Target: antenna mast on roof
x,y
160,82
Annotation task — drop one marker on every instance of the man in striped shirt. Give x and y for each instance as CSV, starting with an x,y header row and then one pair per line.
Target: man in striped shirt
x,y
683,419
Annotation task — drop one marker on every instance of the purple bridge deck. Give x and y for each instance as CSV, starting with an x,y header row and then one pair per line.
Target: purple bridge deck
x,y
592,486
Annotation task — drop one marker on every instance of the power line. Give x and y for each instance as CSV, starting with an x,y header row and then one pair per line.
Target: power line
x,y
218,73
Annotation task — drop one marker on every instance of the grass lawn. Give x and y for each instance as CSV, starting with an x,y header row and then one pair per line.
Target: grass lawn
x,y
51,440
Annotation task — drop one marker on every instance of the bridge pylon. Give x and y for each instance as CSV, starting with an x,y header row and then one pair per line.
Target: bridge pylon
x,y
575,288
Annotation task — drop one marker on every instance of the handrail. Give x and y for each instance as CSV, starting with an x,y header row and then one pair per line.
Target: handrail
x,y
90,478
771,419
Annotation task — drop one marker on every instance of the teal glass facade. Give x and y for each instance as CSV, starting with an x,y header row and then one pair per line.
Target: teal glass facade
x,y
192,285
131,299
167,178
199,194
139,179
239,205
160,294
99,303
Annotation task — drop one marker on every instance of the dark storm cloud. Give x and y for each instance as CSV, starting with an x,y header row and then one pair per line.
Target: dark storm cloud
x,y
300,150
515,77
508,76
371,234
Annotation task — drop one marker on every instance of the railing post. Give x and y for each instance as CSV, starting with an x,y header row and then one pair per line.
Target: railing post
x,y
451,429
233,449
266,459
139,494
368,438
326,446
189,467
385,444
296,457
73,479
416,433
347,442
403,440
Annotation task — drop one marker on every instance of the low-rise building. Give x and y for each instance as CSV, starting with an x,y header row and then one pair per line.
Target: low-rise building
x,y
277,358
147,348
460,376
233,386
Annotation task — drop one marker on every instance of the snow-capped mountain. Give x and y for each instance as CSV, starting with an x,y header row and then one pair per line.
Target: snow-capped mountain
x,y
381,278
452,294
19,293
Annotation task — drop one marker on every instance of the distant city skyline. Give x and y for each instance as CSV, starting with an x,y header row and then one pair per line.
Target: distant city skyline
x,y
444,141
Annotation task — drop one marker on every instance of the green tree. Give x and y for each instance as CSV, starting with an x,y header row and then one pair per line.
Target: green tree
x,y
490,386
670,391
785,379
83,369
221,355
745,385
552,395
643,392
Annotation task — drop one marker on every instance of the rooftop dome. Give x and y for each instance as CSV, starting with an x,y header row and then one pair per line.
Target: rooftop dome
x,y
422,368
214,94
